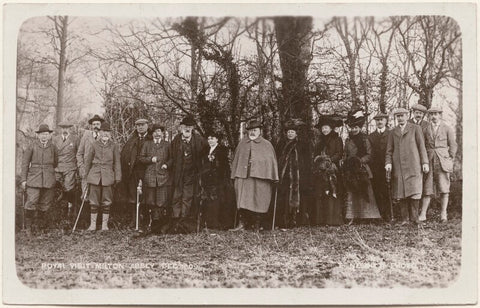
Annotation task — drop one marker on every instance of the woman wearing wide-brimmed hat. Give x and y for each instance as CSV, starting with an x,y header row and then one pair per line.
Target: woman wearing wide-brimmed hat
x,y
360,200
294,165
327,209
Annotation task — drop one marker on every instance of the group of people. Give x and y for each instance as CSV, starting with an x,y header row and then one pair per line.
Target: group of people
x,y
187,184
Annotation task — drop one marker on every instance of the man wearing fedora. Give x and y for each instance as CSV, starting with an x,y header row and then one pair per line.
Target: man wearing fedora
x,y
102,166
88,138
155,155
441,149
406,157
132,169
187,150
254,171
38,178
378,140
419,111
66,171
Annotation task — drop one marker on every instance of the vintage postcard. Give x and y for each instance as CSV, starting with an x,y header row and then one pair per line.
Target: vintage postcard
x,y
221,153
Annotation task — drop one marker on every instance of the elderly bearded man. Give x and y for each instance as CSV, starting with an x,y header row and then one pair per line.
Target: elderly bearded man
x,y
254,170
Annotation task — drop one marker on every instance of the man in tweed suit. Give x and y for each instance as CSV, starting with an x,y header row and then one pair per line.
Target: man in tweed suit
x,y
38,178
155,154
441,149
66,171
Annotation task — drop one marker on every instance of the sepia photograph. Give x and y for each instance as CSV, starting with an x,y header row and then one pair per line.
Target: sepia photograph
x,y
223,148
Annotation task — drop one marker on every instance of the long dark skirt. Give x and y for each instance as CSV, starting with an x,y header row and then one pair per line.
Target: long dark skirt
x,y
328,210
358,207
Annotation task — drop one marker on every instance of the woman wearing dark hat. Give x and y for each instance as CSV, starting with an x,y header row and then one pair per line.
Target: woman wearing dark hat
x,y
294,166
360,200
214,182
328,152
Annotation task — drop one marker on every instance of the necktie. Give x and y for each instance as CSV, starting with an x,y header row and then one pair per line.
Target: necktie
x,y
95,136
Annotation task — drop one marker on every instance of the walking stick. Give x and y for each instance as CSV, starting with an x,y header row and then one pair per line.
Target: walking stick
x,y
274,208
23,209
139,192
389,190
81,207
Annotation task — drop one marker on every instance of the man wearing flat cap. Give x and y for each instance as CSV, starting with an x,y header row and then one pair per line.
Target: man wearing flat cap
x,y
66,171
419,111
378,140
254,170
102,166
132,169
406,157
155,155
38,179
187,150
441,150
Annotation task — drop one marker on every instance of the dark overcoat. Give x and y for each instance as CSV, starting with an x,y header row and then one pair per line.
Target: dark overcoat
x,y
331,145
155,176
304,151
131,153
215,172
199,148
406,152
67,152
102,163
38,165
378,143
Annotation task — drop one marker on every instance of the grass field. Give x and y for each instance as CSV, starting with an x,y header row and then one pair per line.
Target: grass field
x,y
345,256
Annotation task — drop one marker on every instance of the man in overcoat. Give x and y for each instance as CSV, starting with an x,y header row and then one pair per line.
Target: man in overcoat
x,y
66,171
418,118
38,178
155,155
132,170
378,140
102,166
254,171
441,150
187,150
406,157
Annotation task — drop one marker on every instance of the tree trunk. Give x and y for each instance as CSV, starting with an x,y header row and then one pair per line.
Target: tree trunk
x,y
62,28
294,44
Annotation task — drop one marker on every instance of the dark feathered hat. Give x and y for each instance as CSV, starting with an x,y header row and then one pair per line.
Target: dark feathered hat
x,y
294,124
254,124
188,121
330,120
356,117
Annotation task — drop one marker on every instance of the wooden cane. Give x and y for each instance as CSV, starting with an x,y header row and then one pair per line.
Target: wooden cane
x,y
274,209
81,207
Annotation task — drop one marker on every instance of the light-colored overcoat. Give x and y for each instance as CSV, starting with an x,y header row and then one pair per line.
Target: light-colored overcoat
x,y
406,152
85,143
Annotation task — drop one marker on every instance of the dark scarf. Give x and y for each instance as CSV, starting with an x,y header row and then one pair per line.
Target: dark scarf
x,y
289,167
324,140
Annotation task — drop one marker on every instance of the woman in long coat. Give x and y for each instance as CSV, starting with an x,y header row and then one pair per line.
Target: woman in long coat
x,y
214,182
360,200
294,166
327,155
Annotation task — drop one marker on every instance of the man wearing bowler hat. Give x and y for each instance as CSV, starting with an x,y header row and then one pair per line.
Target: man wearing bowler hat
x,y
378,140
38,178
254,170
406,157
66,171
132,169
187,149
441,149
419,111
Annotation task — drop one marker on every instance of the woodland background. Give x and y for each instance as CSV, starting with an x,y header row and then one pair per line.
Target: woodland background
x,y
225,71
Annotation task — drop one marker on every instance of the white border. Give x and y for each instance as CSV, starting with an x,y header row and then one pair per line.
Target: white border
x,y
462,291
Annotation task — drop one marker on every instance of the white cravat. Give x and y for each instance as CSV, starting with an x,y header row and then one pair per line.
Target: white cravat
x,y
402,127
381,130
157,141
212,149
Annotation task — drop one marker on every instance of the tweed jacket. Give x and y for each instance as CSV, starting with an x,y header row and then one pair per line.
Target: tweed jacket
x,y
155,176
441,143
38,165
102,164
67,152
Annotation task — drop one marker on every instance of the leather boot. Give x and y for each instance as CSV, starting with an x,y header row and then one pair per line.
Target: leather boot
x,y
30,222
241,223
42,221
257,226
413,210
